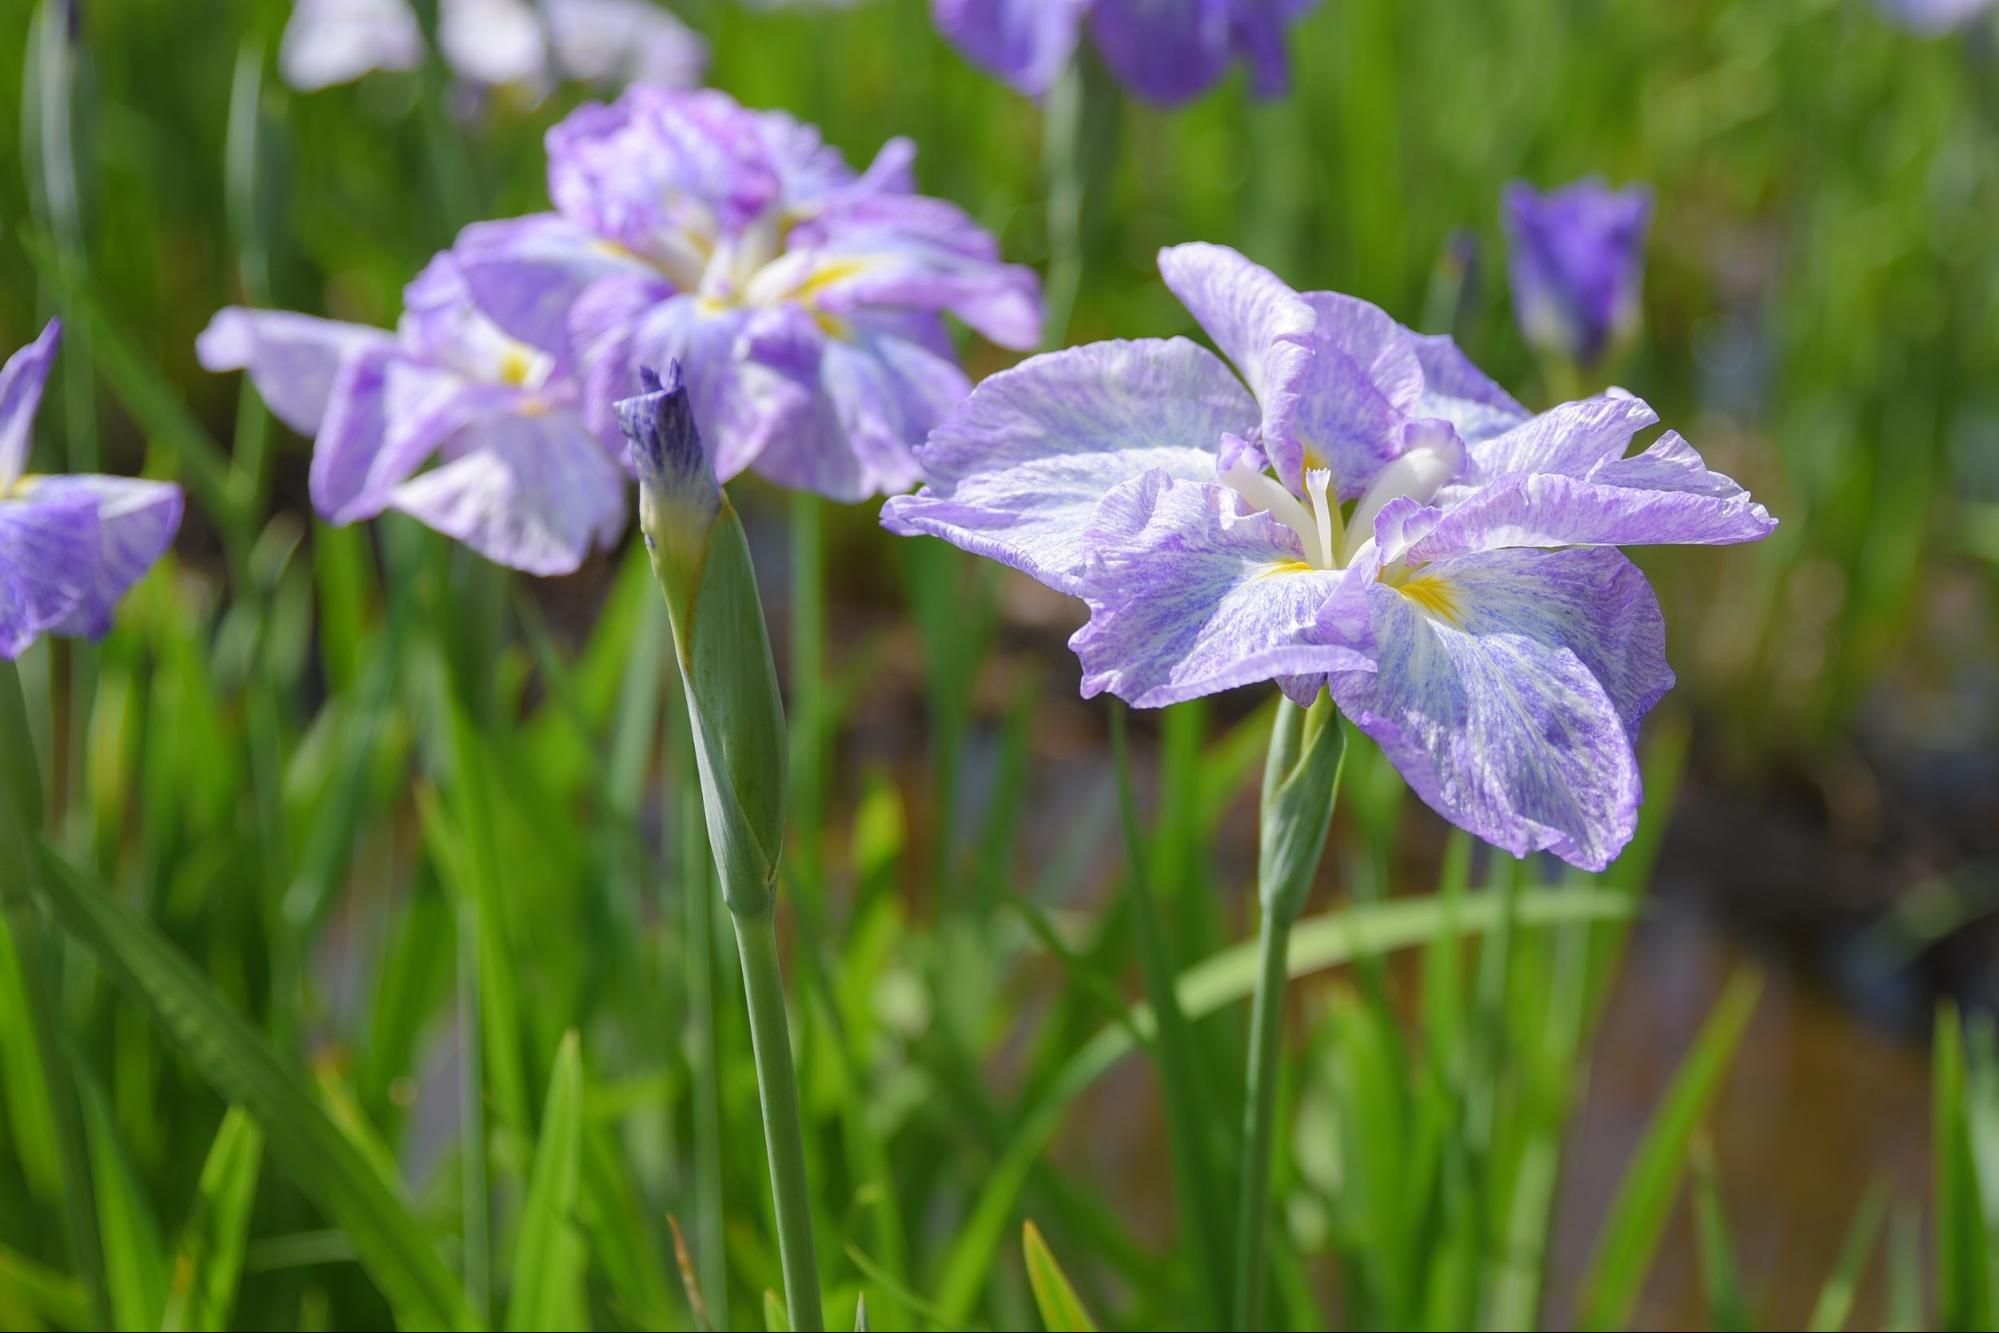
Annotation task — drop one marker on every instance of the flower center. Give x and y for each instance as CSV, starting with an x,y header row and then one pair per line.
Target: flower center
x,y
1433,455
1319,528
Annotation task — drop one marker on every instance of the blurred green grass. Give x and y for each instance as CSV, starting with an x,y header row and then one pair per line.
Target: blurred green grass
x,y
417,820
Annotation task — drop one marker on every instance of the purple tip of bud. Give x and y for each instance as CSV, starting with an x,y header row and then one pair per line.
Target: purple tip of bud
x,y
674,470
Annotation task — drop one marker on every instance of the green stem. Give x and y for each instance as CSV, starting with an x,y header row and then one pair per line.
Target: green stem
x,y
1062,158
697,884
1259,1120
756,942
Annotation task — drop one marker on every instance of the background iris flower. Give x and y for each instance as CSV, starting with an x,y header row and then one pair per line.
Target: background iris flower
x,y
805,302
1166,51
70,545
519,480
1362,509
494,43
1577,259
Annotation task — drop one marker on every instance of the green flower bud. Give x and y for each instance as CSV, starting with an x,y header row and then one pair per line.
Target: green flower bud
x,y
1301,779
702,562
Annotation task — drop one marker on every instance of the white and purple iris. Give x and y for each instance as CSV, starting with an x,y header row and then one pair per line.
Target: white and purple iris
x,y
1577,258
1353,506
806,302
494,43
518,477
70,545
1166,51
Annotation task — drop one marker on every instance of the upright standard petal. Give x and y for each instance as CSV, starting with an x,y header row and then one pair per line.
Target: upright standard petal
x,y
136,523
1260,325
1459,392
1025,42
292,359
1191,593
1353,397
1507,688
1018,471
48,547
21,381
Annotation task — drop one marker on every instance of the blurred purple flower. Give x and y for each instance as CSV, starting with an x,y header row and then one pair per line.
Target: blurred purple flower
x,y
804,302
520,481
1166,51
1931,17
494,43
70,546
1466,606
1577,257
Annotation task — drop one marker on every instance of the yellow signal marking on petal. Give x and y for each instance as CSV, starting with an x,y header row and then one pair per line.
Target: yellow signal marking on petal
x,y
1276,567
22,485
838,271
516,365
1433,595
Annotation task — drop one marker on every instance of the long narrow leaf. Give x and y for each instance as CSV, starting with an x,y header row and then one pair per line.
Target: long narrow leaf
x,y
1061,1309
210,1258
549,1256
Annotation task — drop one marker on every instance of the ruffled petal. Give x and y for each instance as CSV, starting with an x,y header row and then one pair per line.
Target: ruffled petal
x,y
1460,393
535,493
385,417
1260,325
48,548
526,273
292,359
1191,594
136,523
1665,495
1507,689
21,381
1017,472
1166,51
1025,42
1569,439
1353,397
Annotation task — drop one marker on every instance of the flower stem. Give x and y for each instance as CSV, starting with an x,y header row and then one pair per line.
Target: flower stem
x,y
756,942
1259,1121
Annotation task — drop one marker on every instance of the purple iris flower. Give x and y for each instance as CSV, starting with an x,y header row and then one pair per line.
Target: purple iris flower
x,y
494,43
519,479
70,545
1353,506
805,302
1578,265
1166,51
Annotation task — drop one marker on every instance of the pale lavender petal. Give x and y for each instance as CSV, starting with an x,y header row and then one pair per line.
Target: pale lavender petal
x,y
1191,594
136,523
740,405
621,41
1017,472
1507,690
809,170
1166,51
1353,396
48,548
337,41
386,416
1569,439
21,381
493,42
526,274
1260,325
1459,392
1665,495
292,359
1025,42
536,493
883,396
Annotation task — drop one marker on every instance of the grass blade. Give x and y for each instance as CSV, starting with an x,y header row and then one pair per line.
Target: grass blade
x,y
1645,1198
209,1261
549,1257
1835,1303
232,1057
1061,1309
1721,1277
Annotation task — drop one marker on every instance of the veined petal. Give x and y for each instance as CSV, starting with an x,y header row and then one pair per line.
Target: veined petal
x,y
526,273
21,381
1166,51
1260,325
1190,594
48,547
386,415
1017,472
532,492
1460,393
603,326
1665,495
1508,688
292,359
136,523
1025,42
1570,439
740,404
883,396
1353,397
